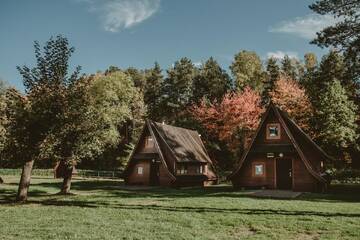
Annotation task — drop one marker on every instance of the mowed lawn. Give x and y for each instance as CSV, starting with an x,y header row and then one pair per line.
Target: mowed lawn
x,y
104,209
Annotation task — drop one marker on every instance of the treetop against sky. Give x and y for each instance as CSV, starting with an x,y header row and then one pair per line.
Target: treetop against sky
x,y
139,32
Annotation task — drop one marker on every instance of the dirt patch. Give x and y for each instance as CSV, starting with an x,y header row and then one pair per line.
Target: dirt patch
x,y
307,236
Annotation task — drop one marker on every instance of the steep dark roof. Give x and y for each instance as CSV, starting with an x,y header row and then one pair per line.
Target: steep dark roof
x,y
292,129
184,144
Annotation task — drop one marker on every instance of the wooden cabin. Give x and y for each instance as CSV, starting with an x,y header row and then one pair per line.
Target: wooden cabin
x,y
169,156
281,156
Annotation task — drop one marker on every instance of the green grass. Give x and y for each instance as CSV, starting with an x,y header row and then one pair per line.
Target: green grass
x,y
103,209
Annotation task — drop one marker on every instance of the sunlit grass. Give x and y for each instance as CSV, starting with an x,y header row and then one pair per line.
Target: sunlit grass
x,y
104,209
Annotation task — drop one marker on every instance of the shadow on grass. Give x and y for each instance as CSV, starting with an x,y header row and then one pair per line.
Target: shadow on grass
x,y
8,196
116,189
245,211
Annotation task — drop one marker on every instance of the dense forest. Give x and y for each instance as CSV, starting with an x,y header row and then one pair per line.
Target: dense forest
x,y
93,120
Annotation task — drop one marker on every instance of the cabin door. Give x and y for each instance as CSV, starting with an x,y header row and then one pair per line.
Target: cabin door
x,y
284,173
154,172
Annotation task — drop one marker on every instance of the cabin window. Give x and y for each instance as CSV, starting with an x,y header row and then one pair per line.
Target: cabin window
x,y
258,169
182,169
149,142
273,131
200,169
140,170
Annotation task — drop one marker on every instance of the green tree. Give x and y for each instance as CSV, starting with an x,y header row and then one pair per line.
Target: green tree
x,y
336,116
345,34
137,76
212,82
288,67
95,109
177,89
3,120
272,75
45,85
2,115
247,70
310,66
152,92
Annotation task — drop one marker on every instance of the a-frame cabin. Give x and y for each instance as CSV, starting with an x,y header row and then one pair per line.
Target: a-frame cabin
x,y
169,156
281,156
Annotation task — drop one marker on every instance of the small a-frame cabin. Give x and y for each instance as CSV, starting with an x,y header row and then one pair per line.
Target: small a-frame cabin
x,y
169,156
281,156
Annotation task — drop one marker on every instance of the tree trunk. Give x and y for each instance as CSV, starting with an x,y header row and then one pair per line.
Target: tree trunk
x,y
355,158
65,189
25,181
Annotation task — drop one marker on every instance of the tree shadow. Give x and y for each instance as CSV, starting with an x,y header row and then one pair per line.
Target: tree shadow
x,y
181,209
8,196
115,189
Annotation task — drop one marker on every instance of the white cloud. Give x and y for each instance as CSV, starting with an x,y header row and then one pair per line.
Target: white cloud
x,y
121,14
281,54
305,27
197,64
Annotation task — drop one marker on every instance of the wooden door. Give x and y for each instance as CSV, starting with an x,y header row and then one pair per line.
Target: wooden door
x,y
154,172
284,173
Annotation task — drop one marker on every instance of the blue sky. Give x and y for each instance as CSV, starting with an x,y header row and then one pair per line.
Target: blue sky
x,y
139,32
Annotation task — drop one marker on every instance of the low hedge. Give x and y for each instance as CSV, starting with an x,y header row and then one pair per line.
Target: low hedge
x,y
346,175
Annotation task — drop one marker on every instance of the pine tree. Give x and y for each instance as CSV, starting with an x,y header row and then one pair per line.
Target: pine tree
x,y
212,82
310,71
152,91
336,116
288,67
273,73
345,34
177,89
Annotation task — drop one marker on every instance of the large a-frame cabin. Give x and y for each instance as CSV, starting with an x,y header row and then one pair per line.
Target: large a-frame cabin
x,y
281,156
169,156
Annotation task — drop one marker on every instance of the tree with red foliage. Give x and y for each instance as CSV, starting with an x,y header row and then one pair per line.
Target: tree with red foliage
x,y
291,98
236,114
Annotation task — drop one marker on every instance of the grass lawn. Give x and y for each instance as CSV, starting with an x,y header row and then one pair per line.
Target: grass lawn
x,y
103,209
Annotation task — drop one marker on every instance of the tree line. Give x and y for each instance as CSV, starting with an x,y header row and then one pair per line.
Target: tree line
x,y
92,121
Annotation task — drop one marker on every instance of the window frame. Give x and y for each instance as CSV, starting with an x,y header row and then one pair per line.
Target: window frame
x,y
182,169
254,164
140,170
148,140
201,169
268,126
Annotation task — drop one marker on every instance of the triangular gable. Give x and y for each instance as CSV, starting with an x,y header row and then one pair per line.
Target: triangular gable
x,y
147,126
271,107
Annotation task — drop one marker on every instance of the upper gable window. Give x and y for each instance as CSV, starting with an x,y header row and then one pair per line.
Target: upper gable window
x,y
273,131
149,142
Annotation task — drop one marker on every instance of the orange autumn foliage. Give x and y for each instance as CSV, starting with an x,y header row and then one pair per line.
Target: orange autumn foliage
x,y
239,111
291,98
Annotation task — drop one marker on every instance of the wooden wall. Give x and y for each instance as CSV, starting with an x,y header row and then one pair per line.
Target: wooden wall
x,y
303,181
164,178
245,177
139,179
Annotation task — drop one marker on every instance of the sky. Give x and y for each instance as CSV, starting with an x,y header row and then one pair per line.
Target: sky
x,y
137,33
